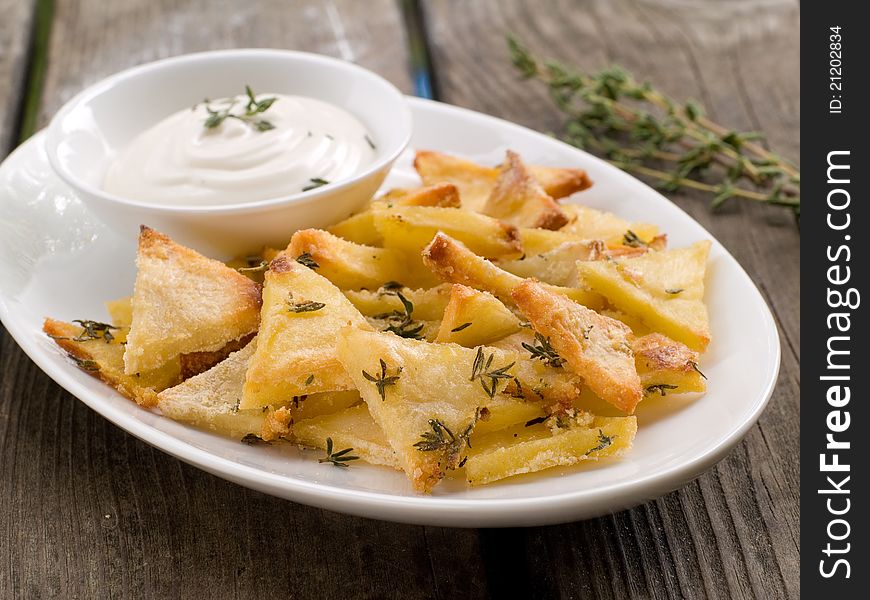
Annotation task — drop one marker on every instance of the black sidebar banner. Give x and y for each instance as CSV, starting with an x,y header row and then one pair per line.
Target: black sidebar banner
x,y
835,427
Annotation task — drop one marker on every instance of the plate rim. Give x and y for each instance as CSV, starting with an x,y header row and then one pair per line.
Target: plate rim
x,y
435,510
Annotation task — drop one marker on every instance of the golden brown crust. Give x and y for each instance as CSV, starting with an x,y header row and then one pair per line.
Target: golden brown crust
x,y
444,194
108,363
559,182
194,363
519,199
656,352
276,425
595,347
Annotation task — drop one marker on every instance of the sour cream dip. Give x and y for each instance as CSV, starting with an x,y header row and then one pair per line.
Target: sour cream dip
x,y
242,149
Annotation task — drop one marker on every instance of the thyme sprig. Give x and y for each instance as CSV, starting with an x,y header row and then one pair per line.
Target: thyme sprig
x,y
253,108
91,330
316,182
480,369
85,364
303,306
642,130
382,381
441,438
338,459
603,442
660,388
401,322
544,351
305,259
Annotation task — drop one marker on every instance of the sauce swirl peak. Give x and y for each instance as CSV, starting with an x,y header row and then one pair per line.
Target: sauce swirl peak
x,y
242,149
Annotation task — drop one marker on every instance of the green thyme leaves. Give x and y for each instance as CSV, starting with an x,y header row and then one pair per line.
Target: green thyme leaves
x,y
481,369
248,115
543,351
383,380
338,458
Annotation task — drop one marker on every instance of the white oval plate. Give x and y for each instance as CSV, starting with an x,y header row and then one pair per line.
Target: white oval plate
x,y
57,260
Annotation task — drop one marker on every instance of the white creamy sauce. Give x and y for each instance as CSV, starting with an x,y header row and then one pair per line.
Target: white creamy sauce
x,y
180,161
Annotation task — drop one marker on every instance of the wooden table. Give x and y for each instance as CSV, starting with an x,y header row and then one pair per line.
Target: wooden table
x,y
87,511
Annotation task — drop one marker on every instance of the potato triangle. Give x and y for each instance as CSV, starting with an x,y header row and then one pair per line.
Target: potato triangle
x,y
473,317
103,357
423,395
475,182
302,314
184,302
664,289
519,199
595,347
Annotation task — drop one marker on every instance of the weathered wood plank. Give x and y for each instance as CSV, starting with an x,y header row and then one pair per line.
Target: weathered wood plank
x,y
90,511
15,37
733,532
93,39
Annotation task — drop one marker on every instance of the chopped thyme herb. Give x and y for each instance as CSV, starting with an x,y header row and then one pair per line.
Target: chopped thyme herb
x,y
316,182
338,459
544,351
462,462
85,364
91,330
460,328
309,380
253,108
305,259
370,142
252,438
260,268
390,288
587,331
660,388
304,306
674,291
401,323
383,381
518,390
442,439
694,365
535,421
603,442
480,369
630,239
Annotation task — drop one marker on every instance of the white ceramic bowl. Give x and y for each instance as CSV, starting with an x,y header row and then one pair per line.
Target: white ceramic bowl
x,y
89,132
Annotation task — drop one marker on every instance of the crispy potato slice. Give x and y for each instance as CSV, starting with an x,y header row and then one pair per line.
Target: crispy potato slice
x,y
302,314
105,360
667,367
595,347
472,318
560,182
429,304
185,302
411,228
453,262
591,224
557,266
210,400
421,395
349,428
519,199
360,228
520,449
664,289
346,264
445,195
475,182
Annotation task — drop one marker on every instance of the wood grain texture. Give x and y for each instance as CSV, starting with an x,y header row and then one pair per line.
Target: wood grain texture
x,y
89,511
733,532
15,36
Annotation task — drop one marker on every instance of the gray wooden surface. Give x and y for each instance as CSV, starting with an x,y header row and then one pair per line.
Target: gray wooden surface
x,y
88,511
